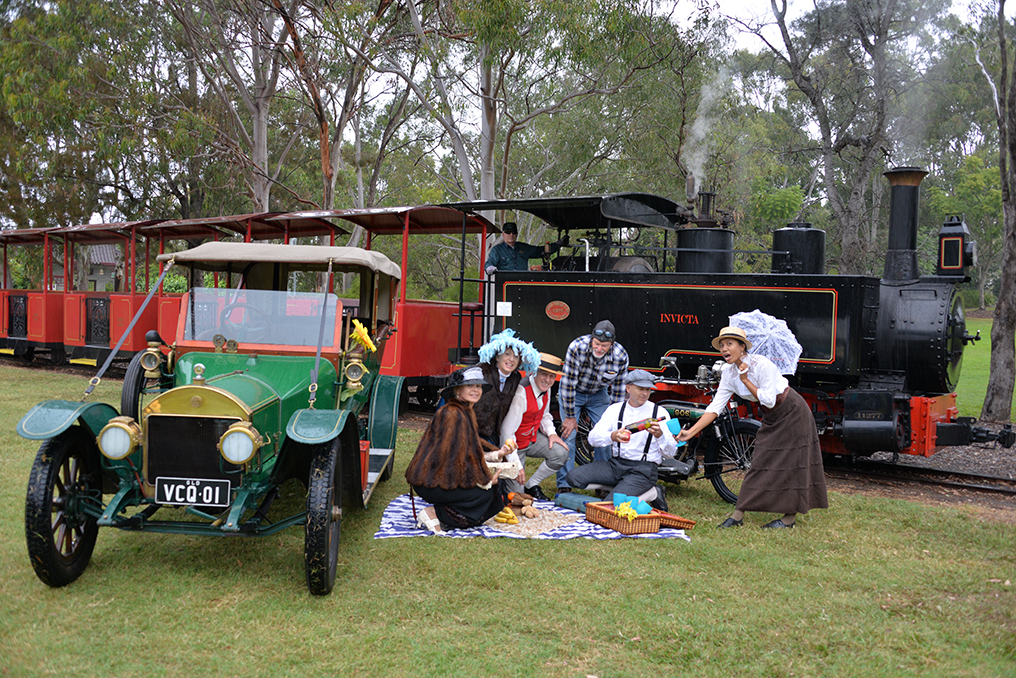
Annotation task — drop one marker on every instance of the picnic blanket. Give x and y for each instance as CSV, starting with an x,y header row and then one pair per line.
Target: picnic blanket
x,y
397,521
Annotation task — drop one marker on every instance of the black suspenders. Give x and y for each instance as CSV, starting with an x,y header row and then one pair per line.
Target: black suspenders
x,y
649,437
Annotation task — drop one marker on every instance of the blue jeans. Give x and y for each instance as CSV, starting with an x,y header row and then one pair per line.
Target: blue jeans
x,y
594,404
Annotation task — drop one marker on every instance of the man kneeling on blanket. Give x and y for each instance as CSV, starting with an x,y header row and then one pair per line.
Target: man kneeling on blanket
x,y
635,457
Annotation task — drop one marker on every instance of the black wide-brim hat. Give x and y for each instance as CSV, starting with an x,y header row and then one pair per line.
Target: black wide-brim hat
x,y
467,376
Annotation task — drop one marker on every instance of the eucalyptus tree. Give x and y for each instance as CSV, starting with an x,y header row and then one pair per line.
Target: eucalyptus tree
x,y
850,61
1002,78
238,47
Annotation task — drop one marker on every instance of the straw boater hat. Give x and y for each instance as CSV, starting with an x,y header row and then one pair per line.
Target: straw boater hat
x,y
551,363
529,357
732,333
469,376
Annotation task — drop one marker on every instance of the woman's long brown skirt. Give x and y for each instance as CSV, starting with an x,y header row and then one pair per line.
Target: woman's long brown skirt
x,y
786,475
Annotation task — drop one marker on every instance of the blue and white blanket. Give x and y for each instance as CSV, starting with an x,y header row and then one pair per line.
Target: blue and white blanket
x,y
397,521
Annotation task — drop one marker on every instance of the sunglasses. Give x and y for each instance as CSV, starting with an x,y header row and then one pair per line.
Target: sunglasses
x,y
603,335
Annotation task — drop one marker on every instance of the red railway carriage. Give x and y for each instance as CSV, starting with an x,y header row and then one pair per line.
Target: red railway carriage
x,y
94,320
32,318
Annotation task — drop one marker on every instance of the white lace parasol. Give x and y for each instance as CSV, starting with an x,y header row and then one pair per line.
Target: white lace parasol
x,y
770,337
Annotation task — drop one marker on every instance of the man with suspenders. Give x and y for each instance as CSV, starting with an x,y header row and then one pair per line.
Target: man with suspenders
x,y
635,456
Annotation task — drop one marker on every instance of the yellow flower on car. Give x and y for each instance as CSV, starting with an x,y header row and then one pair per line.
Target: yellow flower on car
x,y
361,337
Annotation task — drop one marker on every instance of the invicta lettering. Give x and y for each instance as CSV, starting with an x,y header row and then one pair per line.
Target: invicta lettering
x,y
684,319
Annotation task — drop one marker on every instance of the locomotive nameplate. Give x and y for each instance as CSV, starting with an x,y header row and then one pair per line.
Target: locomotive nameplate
x,y
557,310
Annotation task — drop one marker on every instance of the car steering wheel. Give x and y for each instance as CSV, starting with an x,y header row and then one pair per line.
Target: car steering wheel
x,y
255,326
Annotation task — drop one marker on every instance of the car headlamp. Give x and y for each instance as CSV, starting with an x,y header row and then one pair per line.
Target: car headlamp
x,y
119,437
355,371
239,443
151,359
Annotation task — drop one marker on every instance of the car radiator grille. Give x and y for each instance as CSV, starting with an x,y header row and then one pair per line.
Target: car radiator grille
x,y
185,447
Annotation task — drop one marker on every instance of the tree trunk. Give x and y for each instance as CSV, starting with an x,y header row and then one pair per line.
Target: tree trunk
x,y
998,398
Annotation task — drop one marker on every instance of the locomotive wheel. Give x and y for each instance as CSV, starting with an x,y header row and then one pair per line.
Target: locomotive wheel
x,y
65,478
583,450
324,518
728,460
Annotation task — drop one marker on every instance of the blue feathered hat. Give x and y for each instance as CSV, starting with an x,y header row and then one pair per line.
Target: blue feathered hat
x,y
529,357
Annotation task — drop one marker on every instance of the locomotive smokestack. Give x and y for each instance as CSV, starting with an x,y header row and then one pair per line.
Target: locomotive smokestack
x,y
904,200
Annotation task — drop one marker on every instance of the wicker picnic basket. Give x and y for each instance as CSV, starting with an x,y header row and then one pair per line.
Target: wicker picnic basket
x,y
602,513
670,520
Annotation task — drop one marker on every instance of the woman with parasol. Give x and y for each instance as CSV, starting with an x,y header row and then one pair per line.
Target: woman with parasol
x,y
786,474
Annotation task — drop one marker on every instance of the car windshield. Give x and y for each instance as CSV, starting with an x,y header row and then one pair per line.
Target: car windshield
x,y
260,316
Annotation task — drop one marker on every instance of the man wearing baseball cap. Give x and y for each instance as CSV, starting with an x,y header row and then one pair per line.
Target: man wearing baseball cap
x,y
635,456
594,369
511,255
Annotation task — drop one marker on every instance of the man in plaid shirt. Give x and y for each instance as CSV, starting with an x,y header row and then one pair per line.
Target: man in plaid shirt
x,y
594,371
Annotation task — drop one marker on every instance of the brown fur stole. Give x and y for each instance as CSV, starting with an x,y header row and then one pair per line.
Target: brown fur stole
x,y
449,454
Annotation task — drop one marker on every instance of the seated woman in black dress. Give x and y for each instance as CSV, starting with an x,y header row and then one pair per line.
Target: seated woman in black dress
x,y
449,468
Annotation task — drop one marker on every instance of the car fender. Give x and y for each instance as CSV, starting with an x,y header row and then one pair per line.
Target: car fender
x,y
50,418
313,427
383,427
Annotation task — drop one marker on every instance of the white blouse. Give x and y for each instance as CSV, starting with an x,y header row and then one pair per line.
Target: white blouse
x,y
761,372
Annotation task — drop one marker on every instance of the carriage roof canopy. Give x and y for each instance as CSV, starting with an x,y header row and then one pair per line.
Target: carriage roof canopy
x,y
422,219
589,212
217,256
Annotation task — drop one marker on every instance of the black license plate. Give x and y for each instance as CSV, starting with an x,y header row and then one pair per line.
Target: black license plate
x,y
192,491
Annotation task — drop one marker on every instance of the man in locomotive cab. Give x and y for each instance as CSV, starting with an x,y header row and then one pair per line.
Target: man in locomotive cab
x,y
511,255
637,435
594,371
530,424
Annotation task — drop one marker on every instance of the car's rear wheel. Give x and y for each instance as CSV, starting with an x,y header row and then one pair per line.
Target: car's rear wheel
x,y
324,518
60,533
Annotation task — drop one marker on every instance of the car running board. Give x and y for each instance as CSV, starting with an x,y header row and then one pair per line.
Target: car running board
x,y
379,458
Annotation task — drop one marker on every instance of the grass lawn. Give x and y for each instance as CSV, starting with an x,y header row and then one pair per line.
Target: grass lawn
x,y
869,587
976,366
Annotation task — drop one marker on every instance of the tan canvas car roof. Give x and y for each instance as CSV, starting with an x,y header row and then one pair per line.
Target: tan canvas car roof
x,y
217,255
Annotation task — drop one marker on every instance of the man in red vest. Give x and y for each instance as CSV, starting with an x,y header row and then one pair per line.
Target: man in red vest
x,y
529,423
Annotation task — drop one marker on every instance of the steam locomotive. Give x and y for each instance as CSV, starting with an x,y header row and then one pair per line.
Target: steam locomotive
x,y
880,357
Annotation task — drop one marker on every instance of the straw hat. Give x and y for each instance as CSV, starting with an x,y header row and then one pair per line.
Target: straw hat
x,y
551,363
732,333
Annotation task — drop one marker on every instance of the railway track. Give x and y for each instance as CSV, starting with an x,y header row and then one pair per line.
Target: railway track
x,y
851,468
115,371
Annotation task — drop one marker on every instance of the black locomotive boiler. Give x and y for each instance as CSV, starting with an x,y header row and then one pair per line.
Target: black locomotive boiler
x,y
880,358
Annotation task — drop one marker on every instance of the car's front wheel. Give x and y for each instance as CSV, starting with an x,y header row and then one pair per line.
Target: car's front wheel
x,y
324,518
64,481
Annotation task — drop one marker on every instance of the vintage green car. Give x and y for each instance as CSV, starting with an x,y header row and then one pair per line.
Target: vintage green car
x,y
259,385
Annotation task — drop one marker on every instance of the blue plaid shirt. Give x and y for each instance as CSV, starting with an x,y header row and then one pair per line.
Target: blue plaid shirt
x,y
584,373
